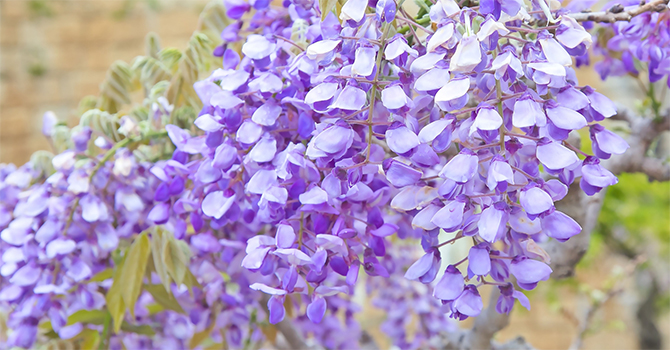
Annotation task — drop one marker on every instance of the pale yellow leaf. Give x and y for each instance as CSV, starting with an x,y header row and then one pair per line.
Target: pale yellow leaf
x,y
133,271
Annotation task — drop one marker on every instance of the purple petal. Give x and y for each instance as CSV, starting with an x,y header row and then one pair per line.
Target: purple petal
x,y
555,53
519,222
450,285
610,142
10,292
254,259
385,230
60,246
249,132
316,310
293,256
314,195
486,119
224,156
267,114
79,271
351,98
412,197
258,47
566,118
420,267
431,131
401,140
107,238
441,36
535,201
364,62
479,262
602,104
276,308
267,289
555,156
216,204
529,271
490,222
334,139
353,10
71,331
460,168
225,100
400,175
93,209
560,226
453,90
469,303
426,62
598,176
423,219
330,242
572,99
320,48
285,236
450,218
261,181
394,97
467,56
207,123
160,213
25,276
264,150
527,113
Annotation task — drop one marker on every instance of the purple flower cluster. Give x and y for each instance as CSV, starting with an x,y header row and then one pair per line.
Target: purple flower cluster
x,y
59,229
639,45
318,149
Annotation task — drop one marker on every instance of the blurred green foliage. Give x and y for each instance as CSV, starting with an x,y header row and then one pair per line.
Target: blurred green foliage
x,y
642,208
40,8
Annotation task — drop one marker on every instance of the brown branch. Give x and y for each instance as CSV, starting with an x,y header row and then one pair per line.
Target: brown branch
x,y
643,131
584,326
293,338
617,13
585,210
480,336
487,324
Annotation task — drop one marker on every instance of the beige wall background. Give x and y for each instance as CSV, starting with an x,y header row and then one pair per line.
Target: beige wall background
x,y
54,52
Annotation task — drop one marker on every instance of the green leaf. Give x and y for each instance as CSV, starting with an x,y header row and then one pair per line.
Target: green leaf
x,y
157,254
326,6
155,308
163,297
89,339
213,19
143,329
179,260
102,275
88,316
152,45
200,336
133,271
171,264
115,304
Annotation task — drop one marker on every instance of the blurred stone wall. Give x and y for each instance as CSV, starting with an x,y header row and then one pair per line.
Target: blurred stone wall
x,y
54,52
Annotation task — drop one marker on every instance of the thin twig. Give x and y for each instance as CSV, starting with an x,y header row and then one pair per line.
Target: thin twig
x,y
611,16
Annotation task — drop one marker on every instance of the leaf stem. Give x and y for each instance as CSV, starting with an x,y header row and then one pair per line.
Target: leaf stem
x,y
302,228
373,91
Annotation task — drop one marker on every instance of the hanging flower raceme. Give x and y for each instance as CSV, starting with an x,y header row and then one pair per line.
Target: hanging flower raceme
x,y
325,151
